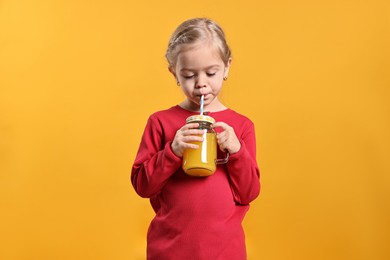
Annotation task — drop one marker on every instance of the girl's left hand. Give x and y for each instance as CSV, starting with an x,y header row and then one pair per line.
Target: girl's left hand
x,y
227,139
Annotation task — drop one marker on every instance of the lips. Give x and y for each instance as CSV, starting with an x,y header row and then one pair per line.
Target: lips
x,y
205,95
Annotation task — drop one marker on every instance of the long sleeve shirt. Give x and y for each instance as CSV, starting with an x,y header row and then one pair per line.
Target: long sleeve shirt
x,y
196,217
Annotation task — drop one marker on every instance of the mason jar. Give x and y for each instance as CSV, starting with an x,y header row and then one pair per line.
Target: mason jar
x,y
203,161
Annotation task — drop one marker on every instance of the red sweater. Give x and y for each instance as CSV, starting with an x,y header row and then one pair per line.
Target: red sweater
x,y
196,218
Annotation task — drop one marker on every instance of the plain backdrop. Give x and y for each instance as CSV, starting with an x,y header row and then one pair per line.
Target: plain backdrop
x,y
79,78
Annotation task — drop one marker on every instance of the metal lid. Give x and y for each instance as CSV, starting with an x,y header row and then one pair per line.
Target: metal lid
x,y
200,118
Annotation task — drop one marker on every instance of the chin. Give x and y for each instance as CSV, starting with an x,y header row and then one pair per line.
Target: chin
x,y
209,99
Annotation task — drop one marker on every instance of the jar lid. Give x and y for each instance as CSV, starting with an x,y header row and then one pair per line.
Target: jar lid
x,y
201,118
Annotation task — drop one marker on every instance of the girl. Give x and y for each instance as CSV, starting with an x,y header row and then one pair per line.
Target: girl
x,y
197,218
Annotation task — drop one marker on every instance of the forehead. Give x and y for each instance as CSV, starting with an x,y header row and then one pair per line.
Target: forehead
x,y
198,55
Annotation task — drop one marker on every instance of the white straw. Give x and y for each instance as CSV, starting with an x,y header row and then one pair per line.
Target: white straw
x,y
201,105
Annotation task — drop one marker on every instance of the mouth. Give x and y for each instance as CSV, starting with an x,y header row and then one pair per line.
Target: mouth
x,y
200,96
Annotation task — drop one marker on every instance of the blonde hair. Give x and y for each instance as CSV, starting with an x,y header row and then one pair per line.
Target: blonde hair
x,y
196,30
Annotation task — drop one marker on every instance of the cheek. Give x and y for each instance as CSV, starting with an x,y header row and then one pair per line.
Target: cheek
x,y
187,87
217,84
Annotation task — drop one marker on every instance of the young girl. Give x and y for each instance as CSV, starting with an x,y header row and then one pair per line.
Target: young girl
x,y
197,217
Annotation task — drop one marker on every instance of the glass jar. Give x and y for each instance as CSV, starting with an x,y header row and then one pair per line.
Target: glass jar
x,y
203,161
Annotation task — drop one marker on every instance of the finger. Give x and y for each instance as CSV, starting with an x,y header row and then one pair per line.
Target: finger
x,y
222,147
193,132
190,146
222,143
192,138
222,125
190,126
222,137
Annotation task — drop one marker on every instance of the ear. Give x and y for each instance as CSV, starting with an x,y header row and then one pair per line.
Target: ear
x,y
227,67
171,70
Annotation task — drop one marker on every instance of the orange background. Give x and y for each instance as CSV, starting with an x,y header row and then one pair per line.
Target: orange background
x,y
78,80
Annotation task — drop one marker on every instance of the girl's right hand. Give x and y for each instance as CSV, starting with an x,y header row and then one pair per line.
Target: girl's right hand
x,y
184,136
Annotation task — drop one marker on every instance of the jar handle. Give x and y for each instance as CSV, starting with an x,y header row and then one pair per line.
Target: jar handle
x,y
224,160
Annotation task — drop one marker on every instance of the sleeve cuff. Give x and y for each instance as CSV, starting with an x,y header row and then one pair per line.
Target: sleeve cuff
x,y
238,154
170,154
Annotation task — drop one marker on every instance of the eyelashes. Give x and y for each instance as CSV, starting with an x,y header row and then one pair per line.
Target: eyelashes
x,y
192,76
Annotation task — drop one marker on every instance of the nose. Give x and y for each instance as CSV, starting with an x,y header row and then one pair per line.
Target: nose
x,y
201,81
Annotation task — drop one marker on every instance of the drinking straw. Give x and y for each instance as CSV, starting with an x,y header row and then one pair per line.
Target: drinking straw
x,y
201,105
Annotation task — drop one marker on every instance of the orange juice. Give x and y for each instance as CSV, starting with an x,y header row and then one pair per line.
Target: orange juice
x,y
201,161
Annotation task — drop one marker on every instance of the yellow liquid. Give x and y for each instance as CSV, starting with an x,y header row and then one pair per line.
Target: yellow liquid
x,y
201,161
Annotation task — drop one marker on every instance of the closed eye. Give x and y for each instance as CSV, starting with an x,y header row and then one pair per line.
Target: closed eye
x,y
211,74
